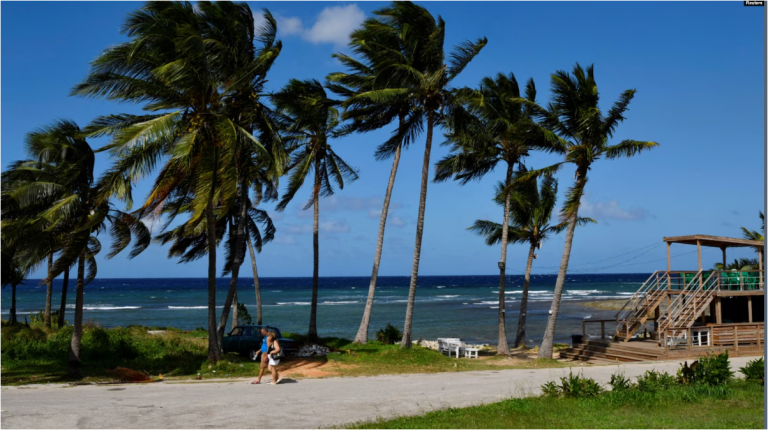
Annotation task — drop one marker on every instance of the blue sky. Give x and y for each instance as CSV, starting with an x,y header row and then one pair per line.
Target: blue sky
x,y
698,68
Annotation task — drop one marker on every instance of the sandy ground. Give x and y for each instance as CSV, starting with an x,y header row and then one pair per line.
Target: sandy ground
x,y
306,403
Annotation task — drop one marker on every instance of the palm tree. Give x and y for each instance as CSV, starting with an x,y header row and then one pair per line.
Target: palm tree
x,y
64,179
530,211
189,66
740,264
310,120
378,46
575,116
13,274
426,83
488,127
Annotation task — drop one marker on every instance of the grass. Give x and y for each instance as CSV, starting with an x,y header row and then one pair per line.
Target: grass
x,y
739,405
36,355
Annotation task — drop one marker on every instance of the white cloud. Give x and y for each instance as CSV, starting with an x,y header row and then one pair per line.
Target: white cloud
x,y
154,225
333,25
334,227
289,25
396,221
285,239
324,226
611,211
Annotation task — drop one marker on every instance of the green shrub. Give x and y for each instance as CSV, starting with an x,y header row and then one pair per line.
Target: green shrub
x,y
653,381
575,386
713,370
389,335
754,370
619,382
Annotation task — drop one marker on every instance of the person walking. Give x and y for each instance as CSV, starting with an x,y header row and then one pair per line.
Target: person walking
x,y
264,355
274,354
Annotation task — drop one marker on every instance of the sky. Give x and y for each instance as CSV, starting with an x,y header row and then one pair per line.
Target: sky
x,y
698,68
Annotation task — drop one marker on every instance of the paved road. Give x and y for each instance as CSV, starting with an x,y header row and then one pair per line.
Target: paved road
x,y
307,403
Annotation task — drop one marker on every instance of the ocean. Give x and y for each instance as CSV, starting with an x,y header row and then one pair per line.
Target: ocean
x,y
446,306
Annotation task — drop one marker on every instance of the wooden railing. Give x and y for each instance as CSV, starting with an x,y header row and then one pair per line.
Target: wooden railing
x,y
727,280
602,327
746,334
719,335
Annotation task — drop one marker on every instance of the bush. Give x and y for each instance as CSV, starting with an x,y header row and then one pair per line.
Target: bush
x,y
619,382
389,335
713,370
575,386
653,381
754,370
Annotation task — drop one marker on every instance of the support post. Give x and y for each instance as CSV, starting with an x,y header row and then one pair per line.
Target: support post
x,y
583,331
749,308
719,310
725,261
689,340
698,250
602,328
736,337
663,338
760,265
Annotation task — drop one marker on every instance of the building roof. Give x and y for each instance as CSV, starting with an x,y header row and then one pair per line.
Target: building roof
x,y
714,241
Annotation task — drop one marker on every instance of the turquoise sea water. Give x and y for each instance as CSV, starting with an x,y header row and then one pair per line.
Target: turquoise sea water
x,y
446,306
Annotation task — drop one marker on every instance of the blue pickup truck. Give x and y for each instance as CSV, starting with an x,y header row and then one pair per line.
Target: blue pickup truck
x,y
246,340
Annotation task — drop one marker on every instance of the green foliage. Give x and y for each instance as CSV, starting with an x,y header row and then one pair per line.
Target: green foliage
x,y
652,381
575,386
741,406
619,382
713,370
755,370
389,335
243,317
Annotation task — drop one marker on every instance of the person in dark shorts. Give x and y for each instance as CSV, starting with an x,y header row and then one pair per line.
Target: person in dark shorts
x,y
264,356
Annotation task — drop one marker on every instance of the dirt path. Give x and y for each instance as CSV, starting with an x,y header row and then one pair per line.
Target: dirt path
x,y
307,403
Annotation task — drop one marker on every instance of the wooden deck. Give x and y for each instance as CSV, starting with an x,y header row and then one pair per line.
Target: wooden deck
x,y
605,351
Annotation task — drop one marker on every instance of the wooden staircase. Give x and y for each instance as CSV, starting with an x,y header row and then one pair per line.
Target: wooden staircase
x,y
689,305
627,328
605,352
641,306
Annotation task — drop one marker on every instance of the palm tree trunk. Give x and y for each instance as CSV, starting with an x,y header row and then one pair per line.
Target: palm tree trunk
x,y
545,351
63,307
234,311
49,292
13,304
406,342
362,332
77,333
312,333
503,347
214,352
520,337
252,252
237,261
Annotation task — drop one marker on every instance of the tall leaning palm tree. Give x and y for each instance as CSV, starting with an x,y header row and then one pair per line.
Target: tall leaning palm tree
x,y
574,114
427,83
181,63
489,127
378,46
310,120
530,212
